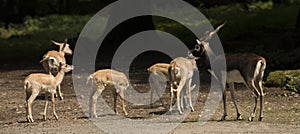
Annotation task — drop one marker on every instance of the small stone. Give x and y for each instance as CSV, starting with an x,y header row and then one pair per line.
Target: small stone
x,y
81,96
292,93
16,109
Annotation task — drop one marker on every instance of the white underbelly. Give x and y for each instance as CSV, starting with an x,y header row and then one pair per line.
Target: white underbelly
x,y
234,76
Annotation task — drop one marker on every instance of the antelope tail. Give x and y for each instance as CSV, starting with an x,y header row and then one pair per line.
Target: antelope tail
x,y
172,72
26,85
90,78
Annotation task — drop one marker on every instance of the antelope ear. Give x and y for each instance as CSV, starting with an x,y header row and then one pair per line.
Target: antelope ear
x,y
66,41
198,41
56,43
65,44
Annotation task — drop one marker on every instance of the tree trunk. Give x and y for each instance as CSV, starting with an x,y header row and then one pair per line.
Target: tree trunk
x,y
123,31
63,6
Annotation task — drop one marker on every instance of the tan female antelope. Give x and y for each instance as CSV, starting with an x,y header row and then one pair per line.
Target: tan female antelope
x,y
184,67
103,78
55,57
37,82
158,71
162,68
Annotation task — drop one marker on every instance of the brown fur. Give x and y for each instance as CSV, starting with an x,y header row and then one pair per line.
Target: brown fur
x,y
186,68
37,82
103,78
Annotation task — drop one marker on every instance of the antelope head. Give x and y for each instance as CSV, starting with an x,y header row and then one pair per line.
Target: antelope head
x,y
63,47
202,45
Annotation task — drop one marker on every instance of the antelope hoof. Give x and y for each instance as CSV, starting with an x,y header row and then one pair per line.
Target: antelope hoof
x,y
260,118
93,116
44,117
239,117
192,109
56,117
151,106
30,120
180,112
61,98
223,118
250,118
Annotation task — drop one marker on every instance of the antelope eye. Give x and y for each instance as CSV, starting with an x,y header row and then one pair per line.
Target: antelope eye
x,y
197,48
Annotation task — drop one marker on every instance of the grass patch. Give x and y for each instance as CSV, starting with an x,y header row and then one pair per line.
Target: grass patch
x,y
289,79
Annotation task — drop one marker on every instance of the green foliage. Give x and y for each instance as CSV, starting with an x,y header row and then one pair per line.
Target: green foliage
x,y
260,5
292,83
275,79
68,25
297,2
32,38
241,20
263,29
288,79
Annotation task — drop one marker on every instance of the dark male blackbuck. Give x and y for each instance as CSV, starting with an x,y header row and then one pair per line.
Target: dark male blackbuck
x,y
247,68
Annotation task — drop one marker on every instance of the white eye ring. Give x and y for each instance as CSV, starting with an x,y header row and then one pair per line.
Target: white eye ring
x,y
197,48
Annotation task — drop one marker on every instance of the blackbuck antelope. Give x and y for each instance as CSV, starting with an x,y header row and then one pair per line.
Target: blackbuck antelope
x,y
52,58
184,67
247,68
103,78
160,75
37,82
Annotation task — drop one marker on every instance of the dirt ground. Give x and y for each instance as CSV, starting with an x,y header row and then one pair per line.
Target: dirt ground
x,y
282,110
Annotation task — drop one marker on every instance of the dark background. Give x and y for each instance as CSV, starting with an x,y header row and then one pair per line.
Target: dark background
x,y
266,27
